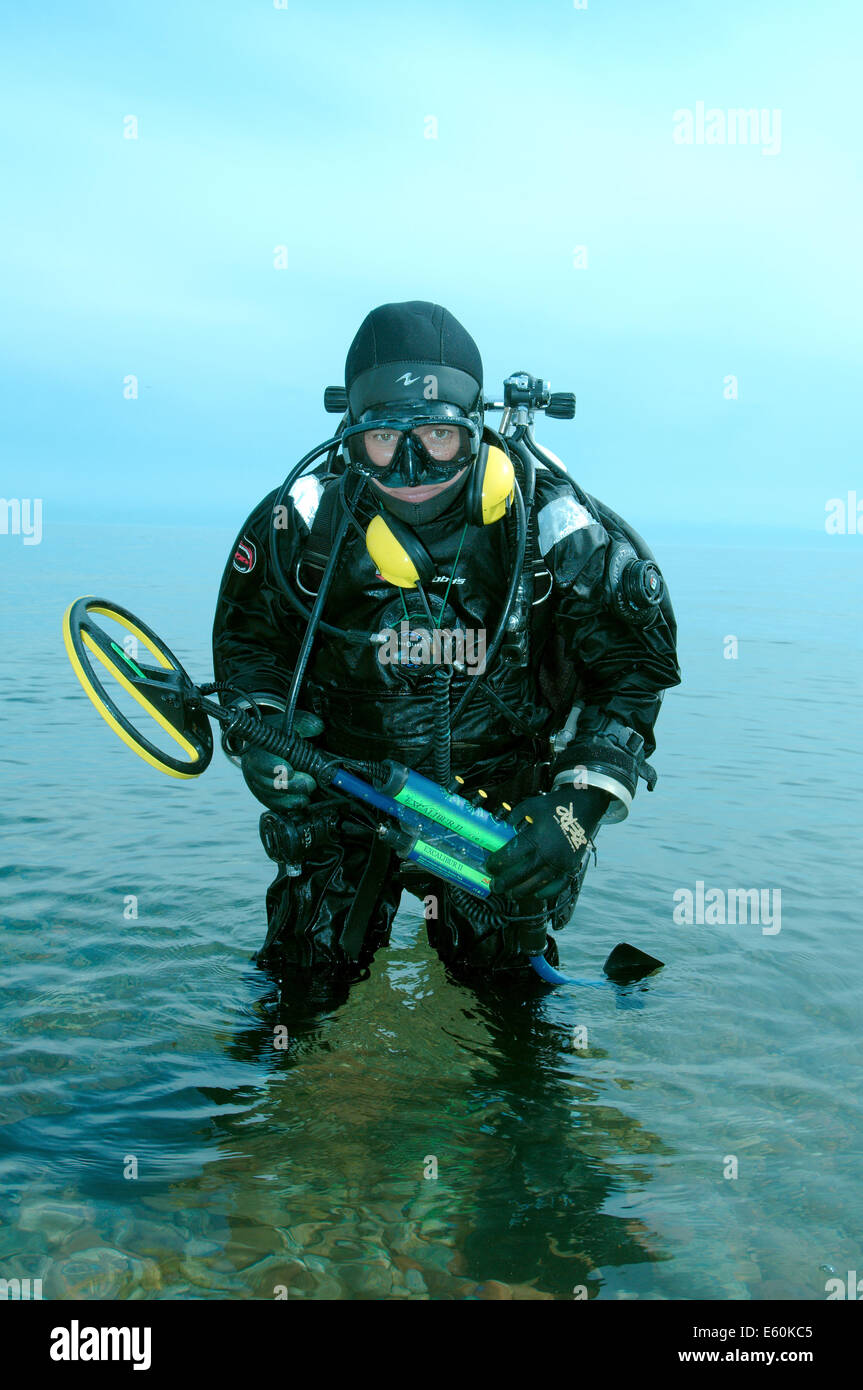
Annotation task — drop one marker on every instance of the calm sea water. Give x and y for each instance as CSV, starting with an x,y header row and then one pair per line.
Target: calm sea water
x,y
146,1043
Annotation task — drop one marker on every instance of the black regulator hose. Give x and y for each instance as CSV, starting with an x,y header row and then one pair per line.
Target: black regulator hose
x,y
357,638
546,459
532,558
297,751
314,622
329,444
442,754
509,602
522,437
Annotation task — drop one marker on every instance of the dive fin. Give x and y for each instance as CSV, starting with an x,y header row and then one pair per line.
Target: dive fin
x,y
627,964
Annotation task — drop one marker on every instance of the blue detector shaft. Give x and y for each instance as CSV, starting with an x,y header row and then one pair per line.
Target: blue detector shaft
x,y
444,833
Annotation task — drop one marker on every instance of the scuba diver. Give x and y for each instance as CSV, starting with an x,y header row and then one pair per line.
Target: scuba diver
x,y
443,594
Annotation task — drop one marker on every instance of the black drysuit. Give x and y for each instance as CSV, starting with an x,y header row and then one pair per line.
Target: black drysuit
x,y
339,910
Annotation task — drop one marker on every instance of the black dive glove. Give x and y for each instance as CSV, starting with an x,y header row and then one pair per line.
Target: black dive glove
x,y
270,778
552,837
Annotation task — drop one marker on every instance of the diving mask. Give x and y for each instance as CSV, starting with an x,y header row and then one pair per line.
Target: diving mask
x,y
408,449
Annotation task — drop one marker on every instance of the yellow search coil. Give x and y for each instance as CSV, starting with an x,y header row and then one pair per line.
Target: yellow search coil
x,y
160,691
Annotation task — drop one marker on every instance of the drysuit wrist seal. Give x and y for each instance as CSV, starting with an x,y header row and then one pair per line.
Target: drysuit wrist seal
x,y
609,756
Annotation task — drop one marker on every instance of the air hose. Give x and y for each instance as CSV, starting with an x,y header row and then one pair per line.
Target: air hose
x,y
512,589
442,759
485,916
549,461
314,622
293,748
358,639
554,977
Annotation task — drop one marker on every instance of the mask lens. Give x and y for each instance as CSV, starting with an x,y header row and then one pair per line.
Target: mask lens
x,y
381,445
443,442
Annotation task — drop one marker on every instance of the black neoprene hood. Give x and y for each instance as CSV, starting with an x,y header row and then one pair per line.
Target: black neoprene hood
x,y
412,353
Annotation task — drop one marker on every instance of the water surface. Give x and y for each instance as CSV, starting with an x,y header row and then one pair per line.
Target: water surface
x,y
146,1042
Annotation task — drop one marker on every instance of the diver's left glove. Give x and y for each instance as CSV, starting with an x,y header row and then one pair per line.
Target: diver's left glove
x,y
554,832
273,781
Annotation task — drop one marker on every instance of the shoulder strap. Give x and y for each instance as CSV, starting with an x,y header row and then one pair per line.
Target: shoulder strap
x,y
318,546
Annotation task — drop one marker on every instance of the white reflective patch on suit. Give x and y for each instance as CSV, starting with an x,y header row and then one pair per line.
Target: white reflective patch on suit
x,y
558,518
306,495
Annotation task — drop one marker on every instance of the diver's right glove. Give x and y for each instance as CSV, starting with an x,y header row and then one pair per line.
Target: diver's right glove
x,y
270,778
553,833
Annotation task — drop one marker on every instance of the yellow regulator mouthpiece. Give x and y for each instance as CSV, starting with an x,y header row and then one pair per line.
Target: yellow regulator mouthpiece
x,y
498,485
392,561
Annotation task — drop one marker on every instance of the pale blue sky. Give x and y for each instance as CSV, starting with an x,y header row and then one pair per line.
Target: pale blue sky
x,y
305,127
